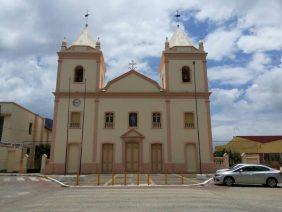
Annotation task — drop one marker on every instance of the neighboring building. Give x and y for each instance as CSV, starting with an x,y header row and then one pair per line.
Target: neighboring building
x,y
21,129
131,124
268,147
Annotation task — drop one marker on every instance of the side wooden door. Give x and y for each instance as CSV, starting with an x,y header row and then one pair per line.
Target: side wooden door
x,y
107,158
156,158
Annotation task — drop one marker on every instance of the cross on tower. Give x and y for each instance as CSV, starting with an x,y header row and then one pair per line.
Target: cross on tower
x,y
86,18
132,65
177,17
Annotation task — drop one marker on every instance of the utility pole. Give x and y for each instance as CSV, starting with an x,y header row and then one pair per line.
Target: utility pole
x,y
197,118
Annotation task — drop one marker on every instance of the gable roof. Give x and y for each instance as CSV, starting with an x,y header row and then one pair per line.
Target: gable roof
x,y
132,134
154,83
262,139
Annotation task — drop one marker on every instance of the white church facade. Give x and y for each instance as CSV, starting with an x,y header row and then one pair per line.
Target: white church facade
x,y
131,124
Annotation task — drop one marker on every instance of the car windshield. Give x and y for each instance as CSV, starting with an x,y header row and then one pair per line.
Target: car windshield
x,y
235,166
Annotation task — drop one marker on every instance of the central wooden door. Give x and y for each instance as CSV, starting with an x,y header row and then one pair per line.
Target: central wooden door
x,y
132,157
107,158
157,158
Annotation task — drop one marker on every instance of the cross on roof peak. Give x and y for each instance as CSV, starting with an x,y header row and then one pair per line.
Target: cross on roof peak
x,y
177,16
86,18
132,65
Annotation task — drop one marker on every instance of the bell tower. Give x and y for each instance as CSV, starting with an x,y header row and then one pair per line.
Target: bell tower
x,y
183,64
81,72
81,64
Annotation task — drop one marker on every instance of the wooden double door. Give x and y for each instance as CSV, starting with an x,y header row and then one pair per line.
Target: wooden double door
x,y
132,153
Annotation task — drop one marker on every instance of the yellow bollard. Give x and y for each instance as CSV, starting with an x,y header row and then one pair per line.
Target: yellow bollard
x,y
182,179
77,179
138,179
98,179
148,179
165,180
113,179
125,176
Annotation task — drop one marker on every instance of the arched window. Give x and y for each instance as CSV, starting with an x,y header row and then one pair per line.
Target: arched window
x,y
78,74
186,77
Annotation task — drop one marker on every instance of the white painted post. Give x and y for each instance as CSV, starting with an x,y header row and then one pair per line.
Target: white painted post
x,y
226,160
24,164
244,158
43,163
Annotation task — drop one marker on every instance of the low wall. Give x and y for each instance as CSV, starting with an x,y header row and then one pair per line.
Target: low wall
x,y
10,159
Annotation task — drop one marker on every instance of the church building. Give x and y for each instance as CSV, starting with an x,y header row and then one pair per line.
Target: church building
x,y
131,124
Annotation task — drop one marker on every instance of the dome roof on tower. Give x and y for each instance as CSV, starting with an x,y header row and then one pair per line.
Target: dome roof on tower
x,y
84,39
179,38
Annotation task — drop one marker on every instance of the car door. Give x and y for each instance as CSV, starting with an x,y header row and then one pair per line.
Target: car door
x,y
245,175
260,174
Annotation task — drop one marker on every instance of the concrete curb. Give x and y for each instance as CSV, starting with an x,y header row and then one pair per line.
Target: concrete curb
x,y
19,174
55,181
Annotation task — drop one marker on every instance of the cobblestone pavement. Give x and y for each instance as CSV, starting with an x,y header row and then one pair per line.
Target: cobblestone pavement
x,y
130,179
40,195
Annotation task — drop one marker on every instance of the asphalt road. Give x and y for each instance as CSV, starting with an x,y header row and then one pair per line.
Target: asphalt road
x,y
28,194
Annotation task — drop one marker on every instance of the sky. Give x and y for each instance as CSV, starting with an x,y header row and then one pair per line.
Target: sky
x,y
243,39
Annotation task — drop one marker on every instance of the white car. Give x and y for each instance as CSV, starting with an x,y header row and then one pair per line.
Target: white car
x,y
249,174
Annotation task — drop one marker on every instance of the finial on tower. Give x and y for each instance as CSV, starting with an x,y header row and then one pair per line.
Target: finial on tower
x,y
132,65
201,45
166,43
177,16
64,44
98,44
86,18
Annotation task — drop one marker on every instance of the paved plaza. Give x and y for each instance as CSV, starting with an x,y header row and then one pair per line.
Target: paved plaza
x,y
28,193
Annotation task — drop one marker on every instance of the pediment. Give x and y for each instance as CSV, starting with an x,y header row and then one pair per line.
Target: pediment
x,y
132,133
132,81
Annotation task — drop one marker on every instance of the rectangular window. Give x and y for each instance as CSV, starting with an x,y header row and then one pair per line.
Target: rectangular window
x,y
133,119
156,120
75,120
1,126
109,120
189,120
30,128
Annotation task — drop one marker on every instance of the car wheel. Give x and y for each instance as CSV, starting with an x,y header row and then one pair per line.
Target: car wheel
x,y
271,182
228,181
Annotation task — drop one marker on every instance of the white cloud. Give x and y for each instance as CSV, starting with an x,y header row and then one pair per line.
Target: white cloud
x,y
222,43
239,75
262,39
266,91
228,75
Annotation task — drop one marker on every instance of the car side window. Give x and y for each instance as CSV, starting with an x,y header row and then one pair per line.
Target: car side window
x,y
247,169
260,169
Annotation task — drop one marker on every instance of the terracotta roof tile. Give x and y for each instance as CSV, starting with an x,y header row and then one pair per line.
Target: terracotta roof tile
x,y
262,139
